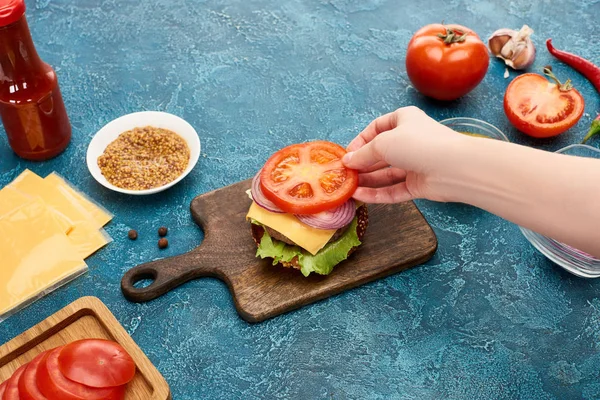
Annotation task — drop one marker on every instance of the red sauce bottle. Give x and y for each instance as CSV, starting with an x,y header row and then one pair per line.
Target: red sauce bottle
x,y
31,106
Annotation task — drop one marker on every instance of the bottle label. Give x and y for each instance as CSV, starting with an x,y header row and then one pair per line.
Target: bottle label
x,y
33,131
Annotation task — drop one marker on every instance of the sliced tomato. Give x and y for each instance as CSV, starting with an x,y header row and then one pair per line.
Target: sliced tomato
x,y
11,392
540,108
308,178
3,388
96,363
55,386
28,388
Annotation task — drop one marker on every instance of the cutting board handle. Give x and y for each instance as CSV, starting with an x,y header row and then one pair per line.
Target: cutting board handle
x,y
166,274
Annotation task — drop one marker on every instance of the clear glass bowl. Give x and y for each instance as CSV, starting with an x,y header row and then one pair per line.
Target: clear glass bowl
x,y
474,126
571,259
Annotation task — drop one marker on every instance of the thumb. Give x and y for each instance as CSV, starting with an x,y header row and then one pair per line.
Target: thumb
x,y
365,157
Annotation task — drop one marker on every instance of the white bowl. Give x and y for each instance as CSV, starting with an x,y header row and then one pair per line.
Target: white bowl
x,y
157,119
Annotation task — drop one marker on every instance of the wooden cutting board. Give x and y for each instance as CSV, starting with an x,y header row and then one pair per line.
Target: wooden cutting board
x,y
398,237
85,318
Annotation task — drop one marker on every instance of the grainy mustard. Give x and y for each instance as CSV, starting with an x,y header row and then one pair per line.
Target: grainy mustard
x,y
144,158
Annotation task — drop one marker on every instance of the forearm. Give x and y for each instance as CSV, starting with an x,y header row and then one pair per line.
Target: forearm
x,y
554,195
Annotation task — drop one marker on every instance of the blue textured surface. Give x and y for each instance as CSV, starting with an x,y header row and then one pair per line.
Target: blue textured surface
x,y
488,317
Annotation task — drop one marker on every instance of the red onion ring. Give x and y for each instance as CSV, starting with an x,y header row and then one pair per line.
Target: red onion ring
x,y
259,197
331,219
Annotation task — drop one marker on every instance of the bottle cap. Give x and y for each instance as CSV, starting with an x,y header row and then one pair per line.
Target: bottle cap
x,y
11,11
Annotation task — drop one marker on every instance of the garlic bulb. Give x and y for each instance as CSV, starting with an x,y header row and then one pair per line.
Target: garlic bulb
x,y
514,47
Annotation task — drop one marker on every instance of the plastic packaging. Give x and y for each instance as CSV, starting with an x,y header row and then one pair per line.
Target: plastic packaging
x,y
37,256
100,214
86,233
48,229
12,199
33,185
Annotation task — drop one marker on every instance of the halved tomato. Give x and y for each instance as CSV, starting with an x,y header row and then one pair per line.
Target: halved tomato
x,y
28,388
11,392
54,385
308,178
540,108
96,363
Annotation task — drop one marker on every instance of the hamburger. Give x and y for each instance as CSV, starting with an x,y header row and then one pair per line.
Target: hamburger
x,y
302,214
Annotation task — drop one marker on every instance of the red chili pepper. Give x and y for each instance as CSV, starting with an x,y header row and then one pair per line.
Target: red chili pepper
x,y
580,64
594,129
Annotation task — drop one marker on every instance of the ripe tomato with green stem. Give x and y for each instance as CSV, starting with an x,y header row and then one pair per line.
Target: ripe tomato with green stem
x,y
446,62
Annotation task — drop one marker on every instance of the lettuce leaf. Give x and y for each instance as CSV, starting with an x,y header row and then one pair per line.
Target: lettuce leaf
x,y
321,263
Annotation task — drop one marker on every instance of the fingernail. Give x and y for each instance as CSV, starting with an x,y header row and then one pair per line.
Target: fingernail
x,y
347,157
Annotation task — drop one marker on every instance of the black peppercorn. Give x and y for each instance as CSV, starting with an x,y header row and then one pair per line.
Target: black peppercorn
x,y
163,243
132,234
162,231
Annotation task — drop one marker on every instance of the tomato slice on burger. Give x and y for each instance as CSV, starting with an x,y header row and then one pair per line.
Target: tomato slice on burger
x,y
308,178
28,388
2,389
11,391
96,363
54,385
540,108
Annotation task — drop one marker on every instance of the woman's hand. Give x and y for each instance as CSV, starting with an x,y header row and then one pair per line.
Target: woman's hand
x,y
401,156
406,155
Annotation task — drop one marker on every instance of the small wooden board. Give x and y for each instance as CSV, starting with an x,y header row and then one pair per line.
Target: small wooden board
x,y
85,318
398,237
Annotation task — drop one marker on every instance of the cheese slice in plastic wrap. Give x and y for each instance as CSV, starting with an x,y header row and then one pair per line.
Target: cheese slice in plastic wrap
x,y
99,214
88,239
36,256
33,185
12,199
85,234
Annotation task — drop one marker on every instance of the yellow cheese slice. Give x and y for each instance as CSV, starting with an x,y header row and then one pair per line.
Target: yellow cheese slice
x,y
12,199
33,185
88,239
100,215
36,256
85,235
309,238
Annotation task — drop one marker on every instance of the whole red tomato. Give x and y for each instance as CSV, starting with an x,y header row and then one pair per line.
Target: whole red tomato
x,y
446,62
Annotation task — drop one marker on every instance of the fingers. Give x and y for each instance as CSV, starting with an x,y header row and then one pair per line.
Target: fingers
x,y
387,185
375,167
381,178
379,125
384,141
371,155
397,193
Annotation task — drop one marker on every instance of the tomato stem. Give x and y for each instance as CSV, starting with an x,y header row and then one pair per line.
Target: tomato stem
x,y
452,36
563,87
594,130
